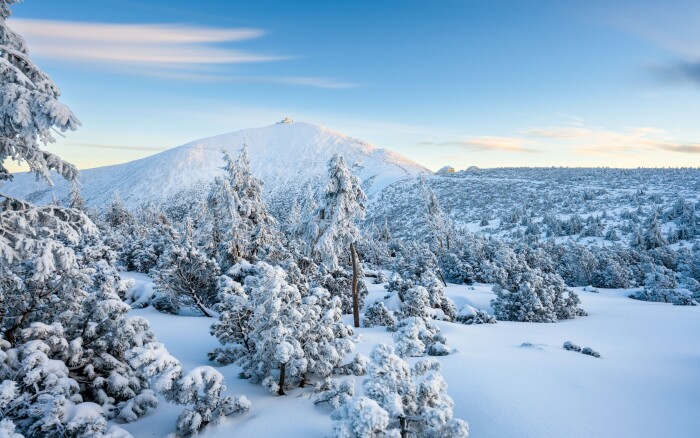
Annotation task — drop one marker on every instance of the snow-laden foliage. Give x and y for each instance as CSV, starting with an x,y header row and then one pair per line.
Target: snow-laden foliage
x,y
240,225
339,284
415,336
531,294
410,401
469,315
276,335
660,285
186,277
29,108
362,417
335,392
72,371
333,226
378,315
201,390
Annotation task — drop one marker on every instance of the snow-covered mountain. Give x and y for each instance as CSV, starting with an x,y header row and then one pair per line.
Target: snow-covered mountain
x,y
286,156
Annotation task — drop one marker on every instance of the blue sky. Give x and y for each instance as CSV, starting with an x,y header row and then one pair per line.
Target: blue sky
x,y
487,83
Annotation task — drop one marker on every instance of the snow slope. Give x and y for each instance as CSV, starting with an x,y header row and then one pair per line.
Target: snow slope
x,y
645,385
286,156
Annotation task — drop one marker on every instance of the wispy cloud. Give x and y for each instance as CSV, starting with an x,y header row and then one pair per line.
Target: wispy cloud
x,y
594,140
486,143
169,46
171,51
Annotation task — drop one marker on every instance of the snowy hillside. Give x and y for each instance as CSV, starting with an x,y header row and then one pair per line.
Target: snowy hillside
x,y
508,379
542,203
286,156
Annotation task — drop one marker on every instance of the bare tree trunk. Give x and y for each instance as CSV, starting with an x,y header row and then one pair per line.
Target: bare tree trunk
x,y
439,271
283,368
355,298
402,425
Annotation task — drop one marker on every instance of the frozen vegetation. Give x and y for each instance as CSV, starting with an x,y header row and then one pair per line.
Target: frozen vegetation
x,y
215,289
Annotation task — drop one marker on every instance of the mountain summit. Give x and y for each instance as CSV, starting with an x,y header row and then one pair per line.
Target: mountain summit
x,y
285,156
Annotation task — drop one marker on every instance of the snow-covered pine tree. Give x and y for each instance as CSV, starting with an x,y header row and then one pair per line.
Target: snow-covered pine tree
x,y
415,399
437,224
653,237
531,294
333,227
200,390
76,198
324,338
277,336
242,228
186,277
268,347
29,108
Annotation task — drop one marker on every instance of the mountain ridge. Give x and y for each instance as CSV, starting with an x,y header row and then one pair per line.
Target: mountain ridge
x,y
285,156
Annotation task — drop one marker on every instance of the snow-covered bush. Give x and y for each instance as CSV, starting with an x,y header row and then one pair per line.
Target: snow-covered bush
x,y
335,392
378,315
415,399
274,334
200,390
381,277
660,285
570,346
361,418
532,295
415,336
590,352
469,315
187,278
357,367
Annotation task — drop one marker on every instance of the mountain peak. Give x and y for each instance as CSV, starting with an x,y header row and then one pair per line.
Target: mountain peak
x,y
286,156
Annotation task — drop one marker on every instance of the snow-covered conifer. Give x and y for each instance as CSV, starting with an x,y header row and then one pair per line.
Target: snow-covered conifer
x,y
29,108
241,224
415,399
187,277
333,228
378,315
335,392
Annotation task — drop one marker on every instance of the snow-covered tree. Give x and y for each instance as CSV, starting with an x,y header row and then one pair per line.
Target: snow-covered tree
x,y
277,358
29,108
415,399
324,338
653,237
200,390
362,417
241,226
187,277
76,197
532,295
660,285
277,336
335,392
378,315
437,224
333,226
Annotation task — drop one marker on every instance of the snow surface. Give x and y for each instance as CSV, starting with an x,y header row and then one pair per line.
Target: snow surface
x,y
646,384
285,156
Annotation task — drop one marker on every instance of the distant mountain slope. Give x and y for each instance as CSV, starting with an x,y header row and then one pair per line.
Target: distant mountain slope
x,y
286,156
